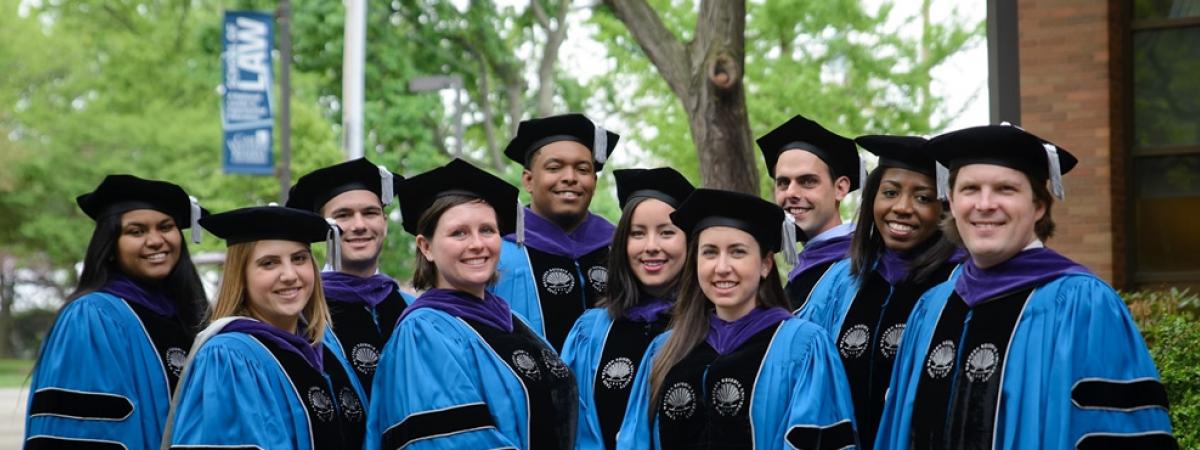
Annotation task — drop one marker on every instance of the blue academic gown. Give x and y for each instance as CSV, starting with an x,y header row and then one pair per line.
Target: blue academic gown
x,y
365,330
604,360
818,282
800,398
99,382
236,395
1077,373
547,285
868,344
440,385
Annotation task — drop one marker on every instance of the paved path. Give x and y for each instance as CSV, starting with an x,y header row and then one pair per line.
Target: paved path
x,y
12,417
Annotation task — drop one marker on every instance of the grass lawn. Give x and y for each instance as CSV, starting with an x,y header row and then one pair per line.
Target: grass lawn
x,y
13,372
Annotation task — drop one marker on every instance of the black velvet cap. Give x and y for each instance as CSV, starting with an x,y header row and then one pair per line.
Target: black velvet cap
x,y
534,134
1002,145
800,133
419,192
259,223
663,183
314,189
716,208
905,152
118,194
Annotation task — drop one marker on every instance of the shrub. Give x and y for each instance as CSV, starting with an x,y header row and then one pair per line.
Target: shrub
x,y
1170,322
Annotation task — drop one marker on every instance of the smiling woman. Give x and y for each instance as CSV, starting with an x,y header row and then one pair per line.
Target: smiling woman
x,y
461,370
107,368
736,370
264,353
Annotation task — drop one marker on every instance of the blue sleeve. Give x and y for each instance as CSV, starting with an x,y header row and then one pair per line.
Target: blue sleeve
x,y
428,393
581,355
637,430
235,394
96,354
1101,385
821,411
896,419
515,284
831,298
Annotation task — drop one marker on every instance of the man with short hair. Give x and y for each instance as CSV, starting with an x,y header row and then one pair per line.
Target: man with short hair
x,y
557,267
364,303
813,170
1025,348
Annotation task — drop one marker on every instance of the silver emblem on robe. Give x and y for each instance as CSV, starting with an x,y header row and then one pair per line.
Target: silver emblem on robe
x,y
526,364
982,362
679,402
617,373
728,396
558,281
941,360
854,341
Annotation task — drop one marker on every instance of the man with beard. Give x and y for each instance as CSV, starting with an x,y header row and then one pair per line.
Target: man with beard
x,y
813,170
364,303
554,267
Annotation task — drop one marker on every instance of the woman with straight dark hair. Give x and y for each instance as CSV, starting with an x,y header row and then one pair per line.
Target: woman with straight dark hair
x,y
607,342
461,370
261,375
736,369
896,254
106,371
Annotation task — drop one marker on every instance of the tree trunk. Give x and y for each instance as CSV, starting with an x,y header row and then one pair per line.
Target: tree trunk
x,y
8,293
556,32
707,77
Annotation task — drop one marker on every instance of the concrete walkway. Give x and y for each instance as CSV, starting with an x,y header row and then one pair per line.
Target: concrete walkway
x,y
12,417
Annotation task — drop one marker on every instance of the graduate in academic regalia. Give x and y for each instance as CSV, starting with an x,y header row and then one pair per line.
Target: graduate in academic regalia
x,y
897,253
107,368
559,268
813,170
736,370
1026,348
607,343
462,370
363,302
260,375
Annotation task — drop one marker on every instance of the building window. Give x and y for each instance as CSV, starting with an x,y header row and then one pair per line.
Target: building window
x,y
1166,140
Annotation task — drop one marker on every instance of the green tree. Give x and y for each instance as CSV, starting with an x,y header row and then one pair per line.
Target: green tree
x,y
832,61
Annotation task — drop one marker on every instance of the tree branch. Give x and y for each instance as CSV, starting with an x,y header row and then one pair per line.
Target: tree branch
x,y
539,14
657,42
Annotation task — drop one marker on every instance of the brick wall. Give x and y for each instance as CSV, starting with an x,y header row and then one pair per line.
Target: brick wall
x,y
1067,96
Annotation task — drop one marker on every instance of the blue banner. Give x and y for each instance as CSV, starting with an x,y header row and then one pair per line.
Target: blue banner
x,y
246,83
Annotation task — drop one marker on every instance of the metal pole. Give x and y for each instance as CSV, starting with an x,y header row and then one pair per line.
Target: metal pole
x,y
352,78
285,104
1004,66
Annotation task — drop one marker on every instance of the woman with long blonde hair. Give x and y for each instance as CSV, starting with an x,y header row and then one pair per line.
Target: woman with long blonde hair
x,y
261,376
736,369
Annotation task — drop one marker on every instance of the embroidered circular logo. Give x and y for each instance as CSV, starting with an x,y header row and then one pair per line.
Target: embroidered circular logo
x,y
175,358
321,403
365,358
526,364
891,340
617,373
728,396
941,360
854,341
679,402
558,281
352,407
554,363
982,362
598,275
